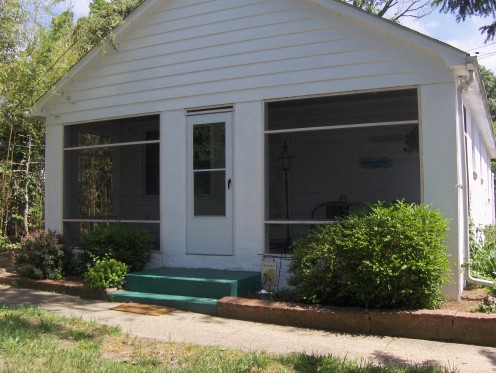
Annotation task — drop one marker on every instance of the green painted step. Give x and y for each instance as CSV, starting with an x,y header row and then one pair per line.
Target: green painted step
x,y
195,304
194,282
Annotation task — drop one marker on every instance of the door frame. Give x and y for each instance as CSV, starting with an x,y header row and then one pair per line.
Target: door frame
x,y
210,235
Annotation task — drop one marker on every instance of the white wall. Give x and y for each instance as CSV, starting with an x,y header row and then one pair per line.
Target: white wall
x,y
248,192
439,160
54,166
480,178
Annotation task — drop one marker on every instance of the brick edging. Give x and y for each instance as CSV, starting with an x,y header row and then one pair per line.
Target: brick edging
x,y
56,286
436,325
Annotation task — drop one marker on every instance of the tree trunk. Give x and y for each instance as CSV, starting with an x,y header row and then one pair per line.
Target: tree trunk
x,y
25,214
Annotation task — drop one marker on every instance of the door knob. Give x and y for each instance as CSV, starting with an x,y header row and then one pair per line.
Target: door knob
x,y
229,184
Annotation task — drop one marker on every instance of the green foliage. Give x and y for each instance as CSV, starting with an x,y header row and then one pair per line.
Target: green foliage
x,y
128,245
489,80
392,256
40,256
5,244
482,241
75,261
35,54
106,273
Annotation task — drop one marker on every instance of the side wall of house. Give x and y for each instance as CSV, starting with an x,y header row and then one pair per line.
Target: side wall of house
x,y
480,178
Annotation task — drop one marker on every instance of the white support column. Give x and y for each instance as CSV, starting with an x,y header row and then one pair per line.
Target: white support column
x,y
440,157
173,176
54,177
249,184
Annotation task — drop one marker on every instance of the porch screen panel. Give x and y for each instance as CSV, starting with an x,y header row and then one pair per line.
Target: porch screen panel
x,y
111,174
374,107
332,156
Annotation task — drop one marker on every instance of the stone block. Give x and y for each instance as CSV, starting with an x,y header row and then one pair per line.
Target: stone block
x,y
425,324
475,328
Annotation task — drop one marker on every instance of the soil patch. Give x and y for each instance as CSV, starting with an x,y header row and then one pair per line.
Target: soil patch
x,y
469,301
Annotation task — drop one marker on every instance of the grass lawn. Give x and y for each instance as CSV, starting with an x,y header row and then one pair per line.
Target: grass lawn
x,y
33,340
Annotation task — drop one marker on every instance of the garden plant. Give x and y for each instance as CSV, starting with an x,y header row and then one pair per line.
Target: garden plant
x,y
41,255
128,245
390,256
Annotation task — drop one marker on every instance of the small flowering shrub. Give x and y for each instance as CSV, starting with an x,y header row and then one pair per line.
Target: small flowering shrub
x,y
41,256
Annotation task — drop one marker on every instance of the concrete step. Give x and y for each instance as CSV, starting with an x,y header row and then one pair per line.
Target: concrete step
x,y
195,304
194,282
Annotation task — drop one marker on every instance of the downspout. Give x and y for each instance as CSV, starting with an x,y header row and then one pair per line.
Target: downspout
x,y
464,84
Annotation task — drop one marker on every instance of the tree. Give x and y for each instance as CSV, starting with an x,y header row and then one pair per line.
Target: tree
x,y
394,10
468,8
28,69
489,80
34,54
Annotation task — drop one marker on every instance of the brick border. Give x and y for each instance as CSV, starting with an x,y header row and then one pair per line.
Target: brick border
x,y
57,286
436,325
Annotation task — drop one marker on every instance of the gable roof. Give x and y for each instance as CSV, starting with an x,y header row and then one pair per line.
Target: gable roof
x,y
450,55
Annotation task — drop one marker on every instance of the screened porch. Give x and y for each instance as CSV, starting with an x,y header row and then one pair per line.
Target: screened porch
x,y
327,157
111,175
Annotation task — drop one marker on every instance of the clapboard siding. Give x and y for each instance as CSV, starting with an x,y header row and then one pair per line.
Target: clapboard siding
x,y
208,59
241,44
191,85
341,69
195,53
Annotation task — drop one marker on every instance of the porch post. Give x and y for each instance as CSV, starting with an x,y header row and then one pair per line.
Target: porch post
x,y
54,177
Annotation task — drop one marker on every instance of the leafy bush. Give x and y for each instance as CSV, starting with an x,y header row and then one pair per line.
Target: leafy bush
x,y
75,261
392,256
41,255
106,273
130,246
6,245
483,251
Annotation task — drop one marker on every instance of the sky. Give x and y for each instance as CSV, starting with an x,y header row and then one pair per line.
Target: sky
x,y
463,35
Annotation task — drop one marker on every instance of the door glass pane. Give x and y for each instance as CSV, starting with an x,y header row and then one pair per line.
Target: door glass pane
x,y
210,193
209,146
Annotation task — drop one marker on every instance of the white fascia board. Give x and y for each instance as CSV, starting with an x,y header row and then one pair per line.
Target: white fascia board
x,y
451,55
95,51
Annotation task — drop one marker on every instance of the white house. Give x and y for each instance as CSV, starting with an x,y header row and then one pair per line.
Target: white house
x,y
229,127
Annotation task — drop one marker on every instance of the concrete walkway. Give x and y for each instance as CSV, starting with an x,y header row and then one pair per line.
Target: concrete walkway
x,y
180,326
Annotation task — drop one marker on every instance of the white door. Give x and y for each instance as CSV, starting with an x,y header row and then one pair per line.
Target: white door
x,y
210,184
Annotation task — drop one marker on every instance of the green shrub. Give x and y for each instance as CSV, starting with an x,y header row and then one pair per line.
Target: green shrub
x,y
75,261
483,251
128,245
106,273
6,245
41,255
391,256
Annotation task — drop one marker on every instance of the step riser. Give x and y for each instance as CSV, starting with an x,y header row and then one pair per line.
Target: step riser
x,y
184,287
188,289
208,309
